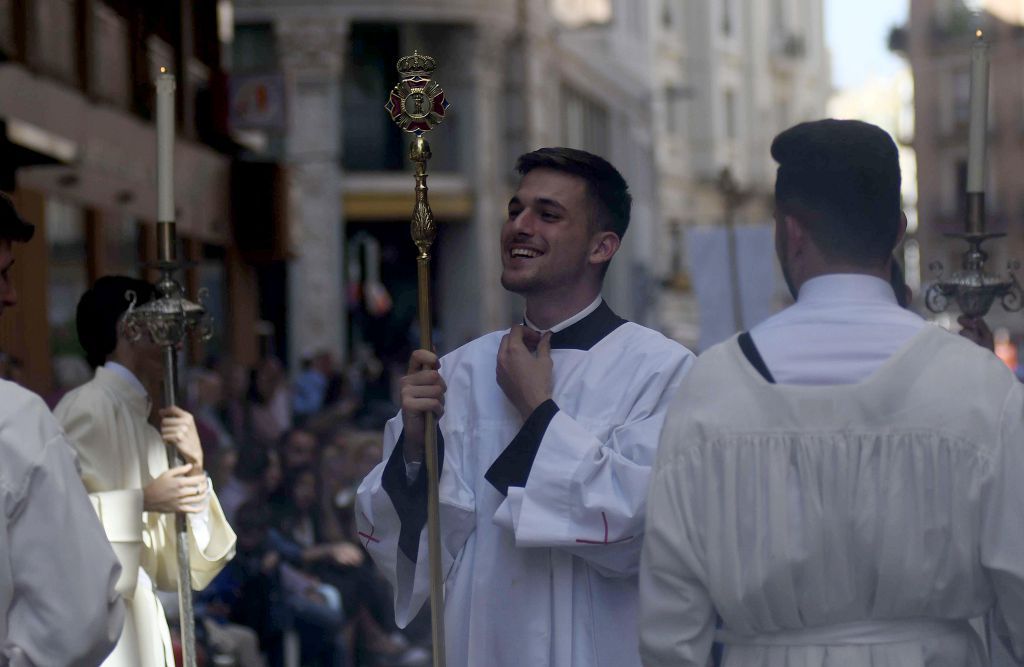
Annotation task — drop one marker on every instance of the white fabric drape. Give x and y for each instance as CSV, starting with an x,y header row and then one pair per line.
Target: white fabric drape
x,y
58,575
788,508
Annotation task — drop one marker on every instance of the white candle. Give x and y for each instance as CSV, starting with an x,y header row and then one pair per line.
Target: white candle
x,y
976,144
165,146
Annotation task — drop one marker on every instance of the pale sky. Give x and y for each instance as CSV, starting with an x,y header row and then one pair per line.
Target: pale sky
x,y
857,35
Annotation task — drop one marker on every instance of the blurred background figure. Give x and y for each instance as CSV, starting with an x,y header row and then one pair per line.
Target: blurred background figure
x,y
312,385
268,407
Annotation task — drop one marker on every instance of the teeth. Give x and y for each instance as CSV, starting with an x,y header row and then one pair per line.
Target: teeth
x,y
524,252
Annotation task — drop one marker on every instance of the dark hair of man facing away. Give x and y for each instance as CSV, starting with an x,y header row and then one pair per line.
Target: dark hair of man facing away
x,y
99,311
841,179
606,187
12,227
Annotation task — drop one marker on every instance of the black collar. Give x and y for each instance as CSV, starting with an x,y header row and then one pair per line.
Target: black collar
x,y
589,331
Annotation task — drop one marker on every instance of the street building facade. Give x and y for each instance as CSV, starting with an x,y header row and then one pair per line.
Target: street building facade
x,y
732,75
519,74
78,154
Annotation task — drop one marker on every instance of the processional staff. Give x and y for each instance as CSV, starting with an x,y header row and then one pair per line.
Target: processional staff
x,y
167,320
973,289
417,104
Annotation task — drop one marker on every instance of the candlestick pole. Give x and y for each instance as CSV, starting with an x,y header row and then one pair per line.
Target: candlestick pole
x,y
972,288
166,321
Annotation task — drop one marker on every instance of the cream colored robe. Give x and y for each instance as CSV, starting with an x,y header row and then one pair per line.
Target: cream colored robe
x,y
120,452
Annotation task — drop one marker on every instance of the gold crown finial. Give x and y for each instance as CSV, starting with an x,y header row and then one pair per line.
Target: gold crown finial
x,y
416,65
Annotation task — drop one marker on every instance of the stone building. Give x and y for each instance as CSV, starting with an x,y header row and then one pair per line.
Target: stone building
x,y
519,74
733,73
78,153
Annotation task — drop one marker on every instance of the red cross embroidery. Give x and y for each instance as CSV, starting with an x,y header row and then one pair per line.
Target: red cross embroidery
x,y
604,518
369,536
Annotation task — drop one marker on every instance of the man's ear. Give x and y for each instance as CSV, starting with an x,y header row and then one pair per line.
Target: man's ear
x,y
603,246
903,228
796,235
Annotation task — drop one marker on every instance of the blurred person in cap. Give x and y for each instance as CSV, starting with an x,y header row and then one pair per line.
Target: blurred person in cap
x,y
58,599
125,470
841,484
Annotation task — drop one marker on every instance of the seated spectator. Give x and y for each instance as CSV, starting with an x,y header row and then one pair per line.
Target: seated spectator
x,y
256,476
299,449
235,380
266,588
343,565
268,407
311,385
206,398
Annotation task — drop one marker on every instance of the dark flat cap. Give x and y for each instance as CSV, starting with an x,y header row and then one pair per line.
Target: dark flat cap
x,y
100,309
830,152
845,176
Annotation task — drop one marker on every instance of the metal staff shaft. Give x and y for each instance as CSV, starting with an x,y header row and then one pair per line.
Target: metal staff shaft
x,y
166,242
423,233
166,321
187,619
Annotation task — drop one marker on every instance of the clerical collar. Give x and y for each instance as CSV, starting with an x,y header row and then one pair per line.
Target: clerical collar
x,y
584,329
124,373
565,324
846,287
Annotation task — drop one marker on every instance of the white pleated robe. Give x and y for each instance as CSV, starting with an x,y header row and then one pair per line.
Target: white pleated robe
x,y
546,576
120,452
58,599
855,525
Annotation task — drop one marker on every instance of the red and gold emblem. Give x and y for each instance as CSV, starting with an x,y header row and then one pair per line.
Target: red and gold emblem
x,y
417,104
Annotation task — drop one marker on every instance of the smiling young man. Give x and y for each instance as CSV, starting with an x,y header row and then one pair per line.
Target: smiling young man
x,y
547,434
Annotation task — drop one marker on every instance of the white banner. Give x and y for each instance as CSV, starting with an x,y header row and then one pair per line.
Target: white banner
x,y
707,255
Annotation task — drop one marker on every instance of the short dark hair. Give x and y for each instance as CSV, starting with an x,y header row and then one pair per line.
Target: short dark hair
x,y
605,185
841,179
12,226
99,311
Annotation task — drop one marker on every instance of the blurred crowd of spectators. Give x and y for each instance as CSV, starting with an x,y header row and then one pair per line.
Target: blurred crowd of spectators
x,y
285,458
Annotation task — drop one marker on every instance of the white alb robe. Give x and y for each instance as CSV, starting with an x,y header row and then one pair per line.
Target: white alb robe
x,y
546,576
841,526
106,420
58,575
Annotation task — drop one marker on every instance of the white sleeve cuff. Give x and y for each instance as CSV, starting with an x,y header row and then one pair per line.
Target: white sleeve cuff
x,y
199,523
